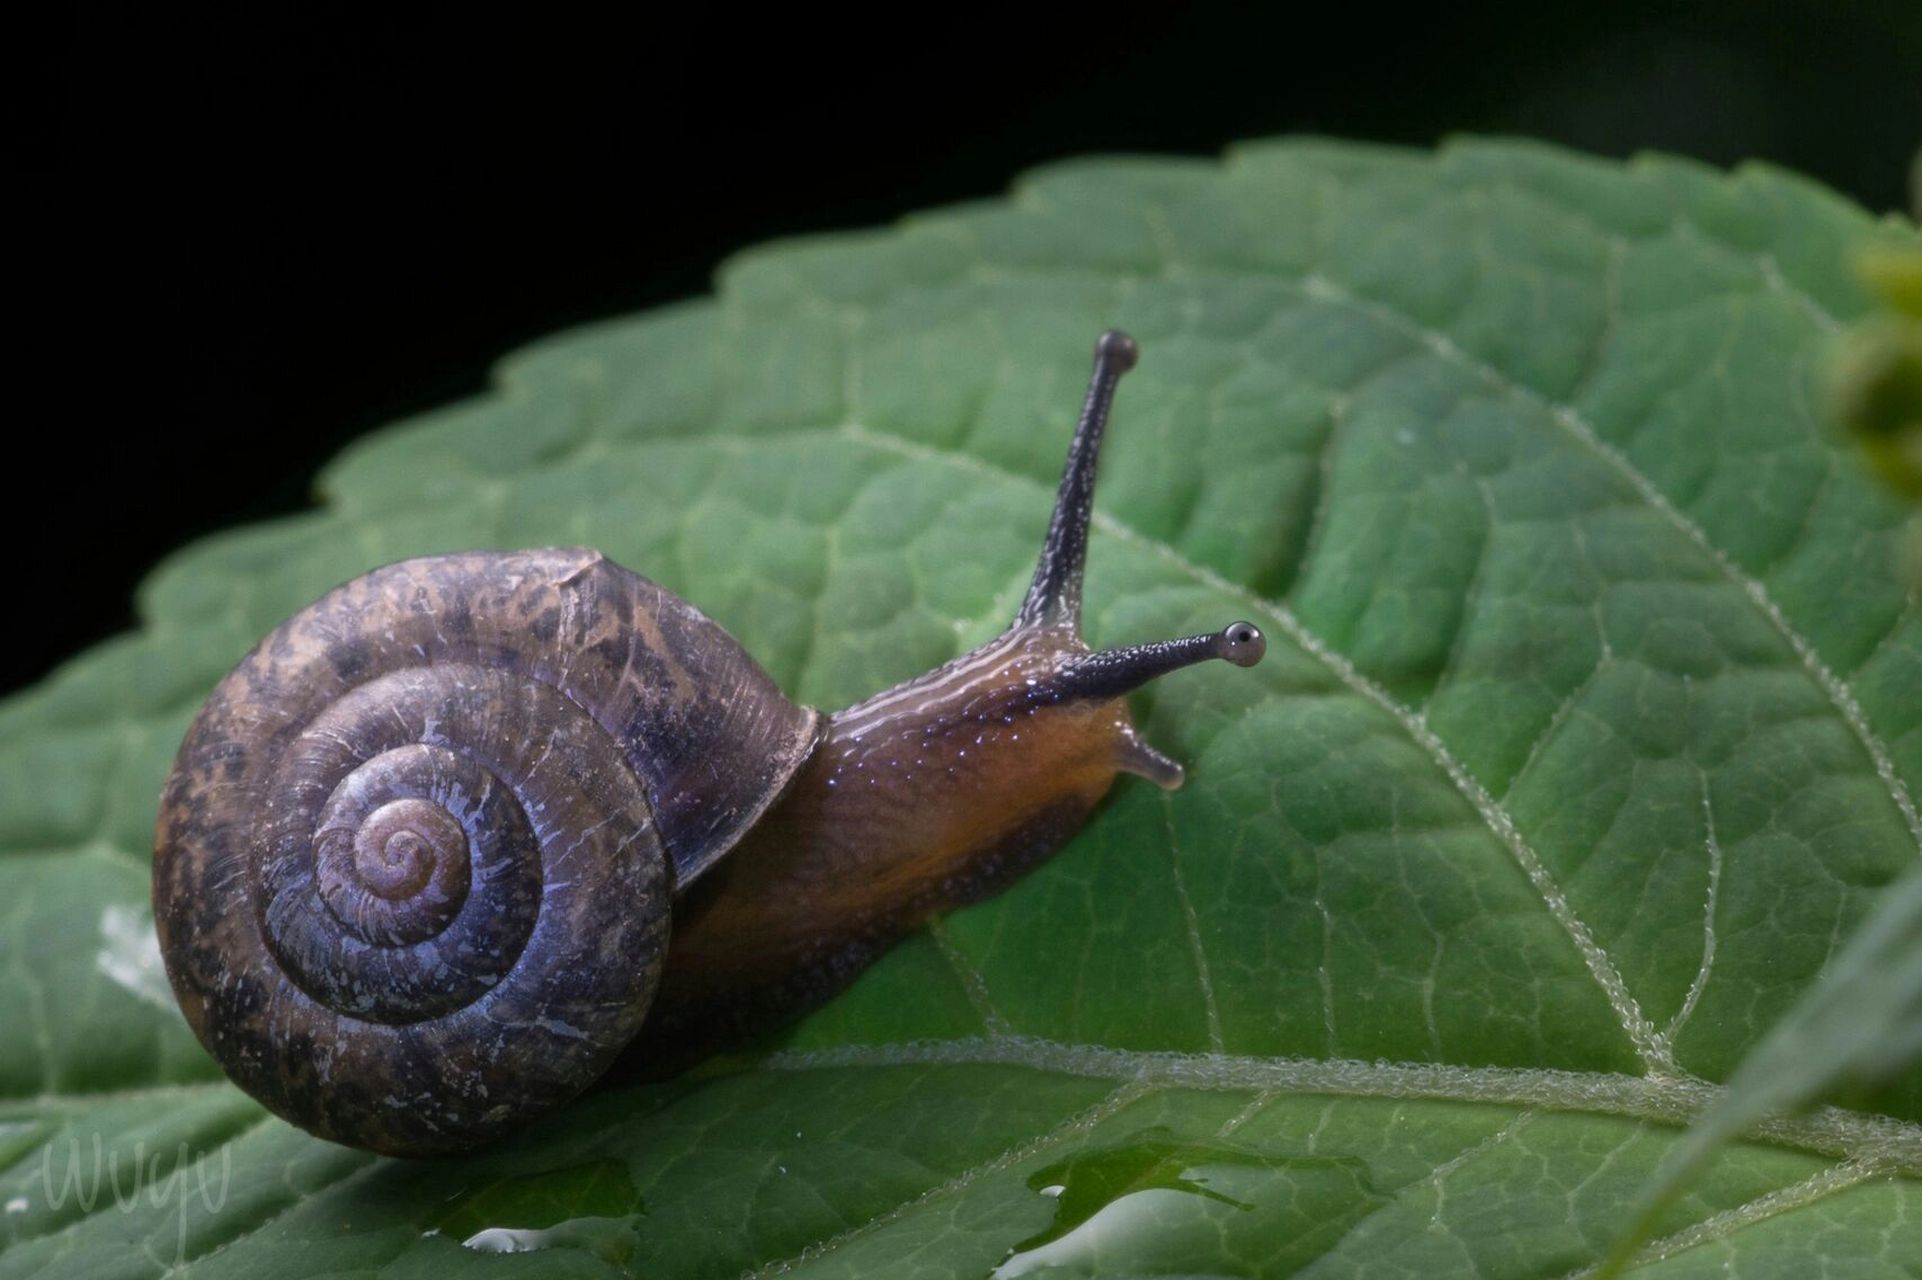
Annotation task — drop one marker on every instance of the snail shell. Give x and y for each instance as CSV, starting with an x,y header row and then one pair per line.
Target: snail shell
x,y
414,864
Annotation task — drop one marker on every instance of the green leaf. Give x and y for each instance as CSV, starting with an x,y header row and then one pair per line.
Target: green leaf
x,y
1860,1021
1587,736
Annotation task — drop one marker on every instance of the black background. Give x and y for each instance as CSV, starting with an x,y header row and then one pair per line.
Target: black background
x,y
252,236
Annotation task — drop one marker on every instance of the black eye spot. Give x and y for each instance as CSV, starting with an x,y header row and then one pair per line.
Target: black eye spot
x,y
1243,644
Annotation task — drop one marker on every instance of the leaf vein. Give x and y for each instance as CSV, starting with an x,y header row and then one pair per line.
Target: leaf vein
x,y
1836,1178
1889,1144
1570,419
1079,1122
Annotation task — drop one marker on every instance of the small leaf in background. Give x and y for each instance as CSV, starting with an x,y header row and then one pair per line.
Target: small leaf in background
x,y
1879,372
1879,386
1588,735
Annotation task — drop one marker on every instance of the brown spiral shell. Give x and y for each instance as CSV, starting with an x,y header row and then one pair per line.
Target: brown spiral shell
x,y
413,867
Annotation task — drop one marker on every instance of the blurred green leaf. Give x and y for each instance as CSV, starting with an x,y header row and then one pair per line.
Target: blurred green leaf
x,y
1879,373
1860,1022
1587,737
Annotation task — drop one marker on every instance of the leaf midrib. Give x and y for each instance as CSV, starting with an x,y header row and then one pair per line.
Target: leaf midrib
x,y
1885,1142
1138,1079
1888,1144
1865,1146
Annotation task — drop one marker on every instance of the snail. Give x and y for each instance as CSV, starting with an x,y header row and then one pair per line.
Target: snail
x,y
451,840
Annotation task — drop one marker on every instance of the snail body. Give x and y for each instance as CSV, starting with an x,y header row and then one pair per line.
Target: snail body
x,y
452,839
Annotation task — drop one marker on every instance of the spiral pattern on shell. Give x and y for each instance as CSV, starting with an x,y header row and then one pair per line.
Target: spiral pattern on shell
x,y
427,821
409,881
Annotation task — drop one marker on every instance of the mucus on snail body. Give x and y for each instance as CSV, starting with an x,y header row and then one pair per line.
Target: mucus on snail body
x,y
417,863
